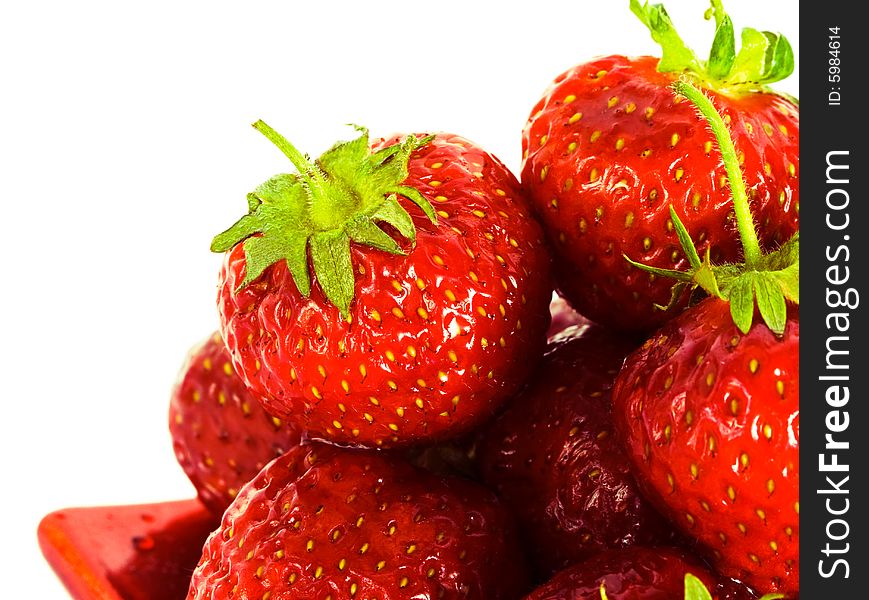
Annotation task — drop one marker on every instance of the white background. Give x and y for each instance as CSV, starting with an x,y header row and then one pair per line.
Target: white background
x,y
125,146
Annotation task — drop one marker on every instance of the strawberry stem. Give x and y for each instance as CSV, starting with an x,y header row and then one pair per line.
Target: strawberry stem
x,y
744,220
326,206
306,168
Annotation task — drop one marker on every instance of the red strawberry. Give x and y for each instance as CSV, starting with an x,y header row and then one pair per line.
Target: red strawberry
x,y
709,407
325,522
390,343
711,418
221,435
139,552
553,458
608,151
637,573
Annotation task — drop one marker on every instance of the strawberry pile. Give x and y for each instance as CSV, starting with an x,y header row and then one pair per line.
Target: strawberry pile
x,y
396,406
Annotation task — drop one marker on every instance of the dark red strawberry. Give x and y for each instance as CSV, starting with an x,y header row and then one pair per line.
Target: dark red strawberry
x,y
385,342
221,435
452,458
638,573
137,552
709,406
325,522
552,456
608,150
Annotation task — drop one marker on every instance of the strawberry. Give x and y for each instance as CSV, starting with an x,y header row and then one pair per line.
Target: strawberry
x,y
136,552
326,522
221,435
709,406
711,419
608,150
385,342
638,573
553,458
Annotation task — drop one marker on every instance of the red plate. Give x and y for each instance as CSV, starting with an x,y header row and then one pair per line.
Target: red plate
x,y
137,552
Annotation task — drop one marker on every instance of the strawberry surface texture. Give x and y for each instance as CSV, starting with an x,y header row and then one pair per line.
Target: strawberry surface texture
x,y
553,457
324,522
221,435
710,416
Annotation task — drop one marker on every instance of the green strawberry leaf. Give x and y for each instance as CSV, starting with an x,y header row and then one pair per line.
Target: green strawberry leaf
x,y
343,159
276,206
705,277
763,58
682,276
330,254
782,64
393,213
417,198
387,172
694,589
252,202
685,239
676,56
363,231
770,302
784,264
788,281
723,52
741,298
341,197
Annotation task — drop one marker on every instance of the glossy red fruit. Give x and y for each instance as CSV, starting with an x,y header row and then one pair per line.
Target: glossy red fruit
x,y
424,341
710,417
608,150
552,456
323,521
221,435
634,573
136,552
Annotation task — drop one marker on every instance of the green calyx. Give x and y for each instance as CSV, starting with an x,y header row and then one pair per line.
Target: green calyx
x,y
343,196
696,590
766,280
763,57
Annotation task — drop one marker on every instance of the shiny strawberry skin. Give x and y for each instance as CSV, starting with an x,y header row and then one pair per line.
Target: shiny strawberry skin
x,y
552,456
221,435
635,573
436,339
609,148
711,421
323,521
